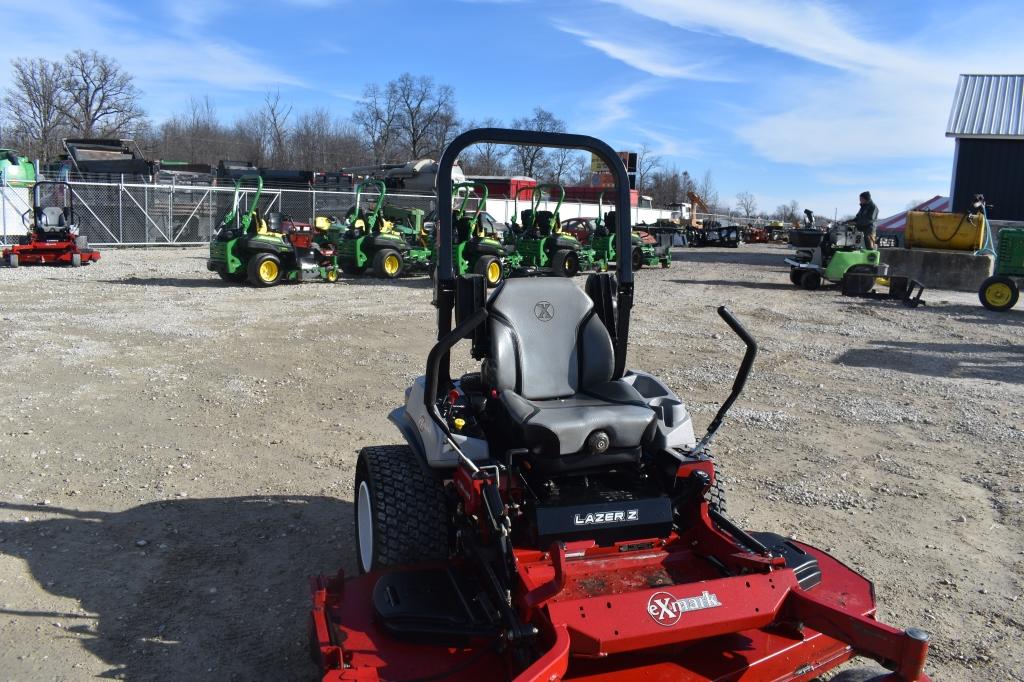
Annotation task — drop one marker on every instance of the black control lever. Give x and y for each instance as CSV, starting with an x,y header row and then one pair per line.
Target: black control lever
x,y
738,383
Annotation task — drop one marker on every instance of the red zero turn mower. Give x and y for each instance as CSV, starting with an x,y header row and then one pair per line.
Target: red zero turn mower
x,y
52,233
552,516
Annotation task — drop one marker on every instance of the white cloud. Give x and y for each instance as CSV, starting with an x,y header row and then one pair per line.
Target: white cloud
x,y
167,68
874,101
615,107
655,60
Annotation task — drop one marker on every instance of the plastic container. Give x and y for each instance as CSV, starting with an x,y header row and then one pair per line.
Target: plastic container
x,y
805,238
944,231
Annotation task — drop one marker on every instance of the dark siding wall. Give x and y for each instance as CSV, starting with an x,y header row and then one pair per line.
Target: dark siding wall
x,y
994,168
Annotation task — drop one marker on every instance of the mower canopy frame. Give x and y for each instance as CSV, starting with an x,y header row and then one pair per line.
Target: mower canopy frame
x,y
444,291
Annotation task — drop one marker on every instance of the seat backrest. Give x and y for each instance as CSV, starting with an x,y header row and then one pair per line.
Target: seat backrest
x,y
546,341
52,218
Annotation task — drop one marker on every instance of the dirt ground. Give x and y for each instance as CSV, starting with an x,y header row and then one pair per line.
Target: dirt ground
x,y
177,455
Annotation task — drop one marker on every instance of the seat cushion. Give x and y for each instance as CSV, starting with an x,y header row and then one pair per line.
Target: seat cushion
x,y
561,426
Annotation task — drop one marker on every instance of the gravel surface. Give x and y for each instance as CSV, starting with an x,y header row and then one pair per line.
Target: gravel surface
x,y
178,454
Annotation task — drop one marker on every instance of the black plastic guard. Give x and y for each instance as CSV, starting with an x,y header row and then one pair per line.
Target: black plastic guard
x,y
805,566
434,606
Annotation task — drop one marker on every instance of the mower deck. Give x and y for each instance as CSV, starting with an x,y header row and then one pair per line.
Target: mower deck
x,y
656,614
38,252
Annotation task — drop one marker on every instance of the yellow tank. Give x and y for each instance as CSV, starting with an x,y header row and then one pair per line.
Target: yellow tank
x,y
946,231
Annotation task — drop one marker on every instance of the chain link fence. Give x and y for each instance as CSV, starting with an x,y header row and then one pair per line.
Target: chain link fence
x,y
143,214
128,214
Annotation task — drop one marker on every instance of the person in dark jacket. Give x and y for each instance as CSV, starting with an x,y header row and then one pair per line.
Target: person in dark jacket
x,y
865,220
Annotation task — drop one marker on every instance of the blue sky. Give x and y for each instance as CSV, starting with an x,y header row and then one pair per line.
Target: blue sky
x,y
788,99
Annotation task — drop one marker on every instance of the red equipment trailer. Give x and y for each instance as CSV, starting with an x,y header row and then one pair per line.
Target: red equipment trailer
x,y
52,237
535,530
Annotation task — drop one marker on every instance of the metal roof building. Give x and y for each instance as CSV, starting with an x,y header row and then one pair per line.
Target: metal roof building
x,y
987,121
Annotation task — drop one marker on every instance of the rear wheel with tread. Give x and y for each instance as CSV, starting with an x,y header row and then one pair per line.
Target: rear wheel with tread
x,y
810,280
388,263
999,293
716,494
264,270
490,268
638,259
236,277
401,516
565,263
795,276
861,675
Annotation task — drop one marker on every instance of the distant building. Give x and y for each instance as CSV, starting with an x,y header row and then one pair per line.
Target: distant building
x,y
987,122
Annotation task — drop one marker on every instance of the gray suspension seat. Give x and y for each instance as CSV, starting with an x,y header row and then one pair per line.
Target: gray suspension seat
x,y
552,362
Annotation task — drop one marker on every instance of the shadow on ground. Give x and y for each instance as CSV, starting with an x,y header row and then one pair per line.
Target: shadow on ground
x,y
954,360
977,314
732,283
216,282
737,256
217,590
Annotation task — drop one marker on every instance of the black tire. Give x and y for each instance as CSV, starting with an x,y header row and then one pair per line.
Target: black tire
x,y
638,259
795,276
999,293
408,516
810,280
384,264
487,266
236,277
716,494
565,263
12,260
257,274
861,675
350,268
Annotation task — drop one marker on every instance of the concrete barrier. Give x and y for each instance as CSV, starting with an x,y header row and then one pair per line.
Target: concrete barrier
x,y
955,270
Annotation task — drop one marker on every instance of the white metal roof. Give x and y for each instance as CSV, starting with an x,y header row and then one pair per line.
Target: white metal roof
x,y
988,106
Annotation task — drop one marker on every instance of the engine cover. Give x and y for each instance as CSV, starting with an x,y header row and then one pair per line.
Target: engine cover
x,y
603,522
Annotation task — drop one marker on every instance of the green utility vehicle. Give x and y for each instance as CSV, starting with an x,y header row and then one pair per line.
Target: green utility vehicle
x,y
265,252
1001,291
830,255
16,170
539,244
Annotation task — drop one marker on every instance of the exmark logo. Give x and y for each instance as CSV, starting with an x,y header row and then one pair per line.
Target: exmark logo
x,y
667,609
607,517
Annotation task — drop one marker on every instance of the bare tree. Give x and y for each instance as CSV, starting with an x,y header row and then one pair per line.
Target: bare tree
x,y
562,165
708,192
275,115
321,143
486,158
377,117
534,161
646,163
746,202
100,98
788,213
426,112
32,106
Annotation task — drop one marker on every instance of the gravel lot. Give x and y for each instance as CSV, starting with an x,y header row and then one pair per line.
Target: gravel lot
x,y
178,454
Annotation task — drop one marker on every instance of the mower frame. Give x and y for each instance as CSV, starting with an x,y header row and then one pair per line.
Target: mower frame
x,y
707,601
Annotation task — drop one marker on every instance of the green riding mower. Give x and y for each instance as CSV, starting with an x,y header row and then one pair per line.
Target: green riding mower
x,y
539,243
602,241
474,250
829,256
266,251
369,240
